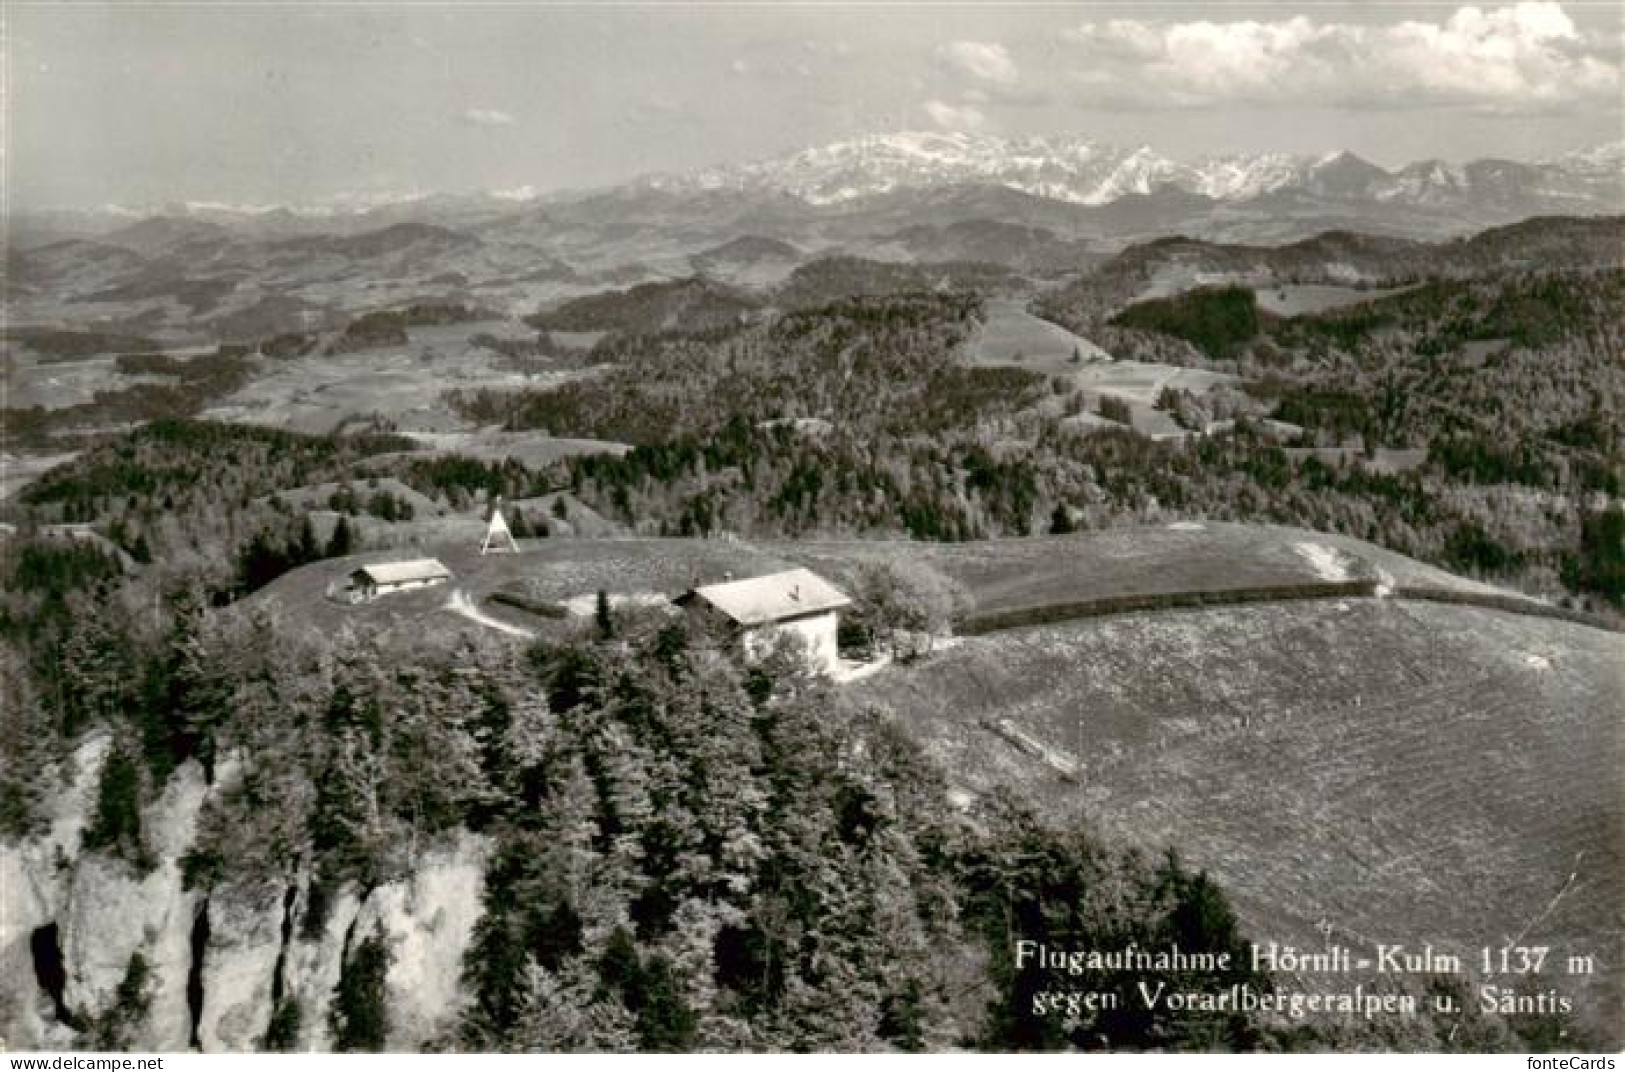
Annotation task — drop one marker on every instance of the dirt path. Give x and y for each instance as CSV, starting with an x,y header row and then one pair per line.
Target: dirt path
x,y
460,603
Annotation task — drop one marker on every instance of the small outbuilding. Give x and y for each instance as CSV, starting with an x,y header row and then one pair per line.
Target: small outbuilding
x,y
382,578
796,603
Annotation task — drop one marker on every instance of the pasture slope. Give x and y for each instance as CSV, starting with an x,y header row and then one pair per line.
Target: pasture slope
x,y
1004,580
405,384
1356,768
1010,336
1358,771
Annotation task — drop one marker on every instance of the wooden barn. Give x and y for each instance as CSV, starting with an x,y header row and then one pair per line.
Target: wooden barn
x,y
382,578
762,610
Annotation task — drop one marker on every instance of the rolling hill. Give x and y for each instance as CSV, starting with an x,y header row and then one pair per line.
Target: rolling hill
x,y
680,305
1356,769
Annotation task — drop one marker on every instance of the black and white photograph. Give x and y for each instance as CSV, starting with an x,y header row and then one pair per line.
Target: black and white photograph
x,y
778,528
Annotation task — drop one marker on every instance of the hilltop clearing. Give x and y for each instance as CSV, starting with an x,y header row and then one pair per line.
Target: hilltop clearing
x,y
1340,760
999,584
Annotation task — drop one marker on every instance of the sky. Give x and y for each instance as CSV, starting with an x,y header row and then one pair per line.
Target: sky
x,y
297,103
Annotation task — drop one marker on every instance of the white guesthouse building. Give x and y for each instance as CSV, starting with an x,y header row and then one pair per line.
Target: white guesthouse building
x,y
382,578
797,603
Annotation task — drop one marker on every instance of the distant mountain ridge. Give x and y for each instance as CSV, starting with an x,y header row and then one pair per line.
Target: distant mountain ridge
x,y
1094,173
1042,208
1075,171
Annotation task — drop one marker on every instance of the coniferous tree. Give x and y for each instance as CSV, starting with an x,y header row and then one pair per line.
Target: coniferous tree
x,y
115,826
360,1012
342,541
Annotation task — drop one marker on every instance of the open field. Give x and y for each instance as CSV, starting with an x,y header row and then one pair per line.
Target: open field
x,y
59,384
577,340
532,448
1010,335
1298,299
1395,772
1141,381
1005,577
1273,296
17,471
403,383
29,379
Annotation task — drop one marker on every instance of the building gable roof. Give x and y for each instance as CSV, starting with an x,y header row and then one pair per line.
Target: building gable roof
x,y
774,597
416,569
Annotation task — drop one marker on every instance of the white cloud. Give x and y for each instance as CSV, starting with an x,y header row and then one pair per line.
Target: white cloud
x,y
981,60
1525,57
487,117
983,72
949,117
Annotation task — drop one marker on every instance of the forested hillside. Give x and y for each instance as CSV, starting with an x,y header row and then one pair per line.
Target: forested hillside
x,y
683,852
858,418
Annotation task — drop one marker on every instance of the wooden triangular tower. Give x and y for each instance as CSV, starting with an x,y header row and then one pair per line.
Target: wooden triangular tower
x,y
497,535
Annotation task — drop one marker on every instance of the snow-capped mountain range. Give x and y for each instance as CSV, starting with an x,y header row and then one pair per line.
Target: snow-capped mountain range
x,y
885,184
1092,173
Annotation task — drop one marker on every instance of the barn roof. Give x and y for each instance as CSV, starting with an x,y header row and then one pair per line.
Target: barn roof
x,y
774,597
416,569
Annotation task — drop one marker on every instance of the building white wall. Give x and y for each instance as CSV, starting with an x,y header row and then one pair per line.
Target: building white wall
x,y
816,633
402,586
